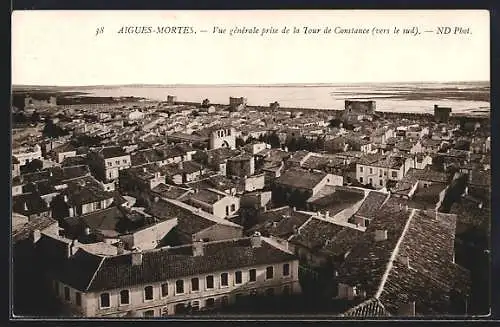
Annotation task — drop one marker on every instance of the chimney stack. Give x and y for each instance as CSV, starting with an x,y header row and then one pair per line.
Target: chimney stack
x,y
72,248
120,248
136,258
198,248
405,260
65,198
256,240
25,206
180,165
36,235
86,231
380,235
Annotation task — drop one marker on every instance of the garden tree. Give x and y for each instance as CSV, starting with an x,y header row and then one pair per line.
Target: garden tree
x,y
239,142
35,118
86,140
32,166
52,130
335,122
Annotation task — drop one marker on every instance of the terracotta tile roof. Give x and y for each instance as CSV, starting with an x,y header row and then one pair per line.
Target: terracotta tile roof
x,y
112,152
367,262
28,204
369,308
87,272
315,233
191,220
280,223
371,204
36,224
300,178
339,200
431,275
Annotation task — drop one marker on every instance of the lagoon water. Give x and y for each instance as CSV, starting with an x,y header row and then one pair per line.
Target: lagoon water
x,y
402,97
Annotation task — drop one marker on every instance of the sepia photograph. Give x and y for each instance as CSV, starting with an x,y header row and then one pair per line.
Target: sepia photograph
x,y
264,163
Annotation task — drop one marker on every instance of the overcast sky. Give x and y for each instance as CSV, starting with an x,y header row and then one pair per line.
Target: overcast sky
x,y
61,48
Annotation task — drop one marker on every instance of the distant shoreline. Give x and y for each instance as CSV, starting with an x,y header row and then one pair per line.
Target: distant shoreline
x,y
41,87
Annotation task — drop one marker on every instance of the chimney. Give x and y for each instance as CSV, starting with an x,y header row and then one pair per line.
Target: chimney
x,y
72,248
275,224
86,231
180,165
405,260
296,230
294,208
25,206
256,240
198,248
65,198
156,199
144,169
36,235
380,235
136,258
406,207
327,214
120,248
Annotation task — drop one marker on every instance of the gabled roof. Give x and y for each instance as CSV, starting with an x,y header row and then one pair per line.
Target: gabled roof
x,y
191,220
369,308
28,204
35,224
371,204
414,264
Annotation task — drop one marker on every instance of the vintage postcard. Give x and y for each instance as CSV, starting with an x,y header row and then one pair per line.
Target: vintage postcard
x,y
201,164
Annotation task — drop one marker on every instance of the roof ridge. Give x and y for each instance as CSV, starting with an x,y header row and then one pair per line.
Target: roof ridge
x,y
394,254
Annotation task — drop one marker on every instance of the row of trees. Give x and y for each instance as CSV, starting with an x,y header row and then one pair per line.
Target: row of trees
x,y
292,143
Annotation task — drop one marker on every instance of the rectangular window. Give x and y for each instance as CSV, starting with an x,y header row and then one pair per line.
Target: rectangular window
x,y
66,294
110,164
381,182
361,179
105,303
238,277
195,284
78,297
252,275
286,269
195,305
117,162
149,313
179,286
233,207
164,289
164,311
371,170
124,297
361,169
224,279
394,174
210,282
148,293
269,272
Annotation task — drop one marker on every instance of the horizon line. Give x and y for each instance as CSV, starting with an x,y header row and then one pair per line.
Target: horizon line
x,y
246,85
